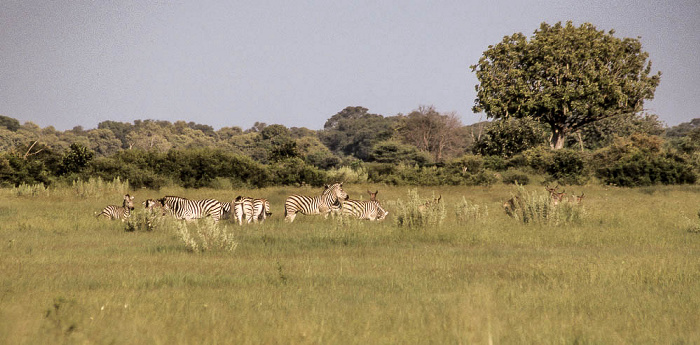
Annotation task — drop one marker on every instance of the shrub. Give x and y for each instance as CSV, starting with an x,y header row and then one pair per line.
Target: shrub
x,y
96,187
468,211
568,167
538,208
512,176
417,212
644,170
206,236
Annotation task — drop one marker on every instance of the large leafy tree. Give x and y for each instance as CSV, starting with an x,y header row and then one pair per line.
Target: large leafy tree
x,y
353,131
564,76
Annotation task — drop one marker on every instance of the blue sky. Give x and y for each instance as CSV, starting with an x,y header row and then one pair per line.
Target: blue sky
x,y
297,63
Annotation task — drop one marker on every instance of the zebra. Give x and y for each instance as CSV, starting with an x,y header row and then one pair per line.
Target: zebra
x,y
261,210
117,212
182,208
371,209
243,208
225,210
325,203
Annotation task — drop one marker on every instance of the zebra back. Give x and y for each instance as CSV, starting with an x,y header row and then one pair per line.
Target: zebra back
x,y
243,209
360,209
261,209
328,201
117,212
182,208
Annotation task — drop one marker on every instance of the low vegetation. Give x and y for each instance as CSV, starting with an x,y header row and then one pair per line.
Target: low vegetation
x,y
626,271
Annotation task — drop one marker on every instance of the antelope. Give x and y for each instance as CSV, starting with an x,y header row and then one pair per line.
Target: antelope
x,y
430,203
557,197
576,199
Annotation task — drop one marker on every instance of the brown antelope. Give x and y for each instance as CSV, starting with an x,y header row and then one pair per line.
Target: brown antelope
x,y
430,203
510,205
557,197
577,199
372,196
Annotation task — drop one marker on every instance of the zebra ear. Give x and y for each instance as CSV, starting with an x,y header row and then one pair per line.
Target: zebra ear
x,y
327,186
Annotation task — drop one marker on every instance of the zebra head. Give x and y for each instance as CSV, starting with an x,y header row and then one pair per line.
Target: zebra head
x,y
128,201
336,193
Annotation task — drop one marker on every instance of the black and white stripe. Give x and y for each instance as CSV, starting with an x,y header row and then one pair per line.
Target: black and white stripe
x,y
261,209
243,209
225,210
360,209
325,203
182,208
117,212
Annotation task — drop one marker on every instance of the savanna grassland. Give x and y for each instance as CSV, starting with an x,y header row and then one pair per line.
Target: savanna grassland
x,y
627,271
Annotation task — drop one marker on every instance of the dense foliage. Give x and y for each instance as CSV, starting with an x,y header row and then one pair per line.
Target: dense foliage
x,y
564,76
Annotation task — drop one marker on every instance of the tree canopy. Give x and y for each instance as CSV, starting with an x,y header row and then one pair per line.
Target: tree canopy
x,y
564,76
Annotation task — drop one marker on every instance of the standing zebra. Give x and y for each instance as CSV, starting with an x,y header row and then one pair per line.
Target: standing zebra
x,y
371,209
243,208
328,201
117,212
261,209
225,210
182,208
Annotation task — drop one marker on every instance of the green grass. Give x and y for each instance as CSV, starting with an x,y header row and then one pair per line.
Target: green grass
x,y
627,273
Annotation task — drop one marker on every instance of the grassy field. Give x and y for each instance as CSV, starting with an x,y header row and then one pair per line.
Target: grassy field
x,y
627,272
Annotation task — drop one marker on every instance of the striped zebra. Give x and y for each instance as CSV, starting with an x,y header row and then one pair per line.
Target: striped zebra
x,y
182,208
359,209
225,210
243,209
325,203
119,212
261,210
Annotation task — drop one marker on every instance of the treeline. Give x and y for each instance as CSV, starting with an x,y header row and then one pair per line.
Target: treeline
x,y
424,147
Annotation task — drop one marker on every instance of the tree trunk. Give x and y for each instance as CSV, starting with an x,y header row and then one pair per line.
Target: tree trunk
x,y
556,142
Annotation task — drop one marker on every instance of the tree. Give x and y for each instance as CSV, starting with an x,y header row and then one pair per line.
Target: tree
x,y
10,123
564,76
431,131
507,137
353,131
601,133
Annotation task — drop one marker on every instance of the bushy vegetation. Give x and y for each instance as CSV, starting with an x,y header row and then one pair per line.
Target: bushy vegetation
x,y
156,154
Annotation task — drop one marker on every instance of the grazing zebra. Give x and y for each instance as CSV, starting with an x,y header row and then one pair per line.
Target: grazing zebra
x,y
117,212
371,209
182,208
261,209
328,201
243,209
225,210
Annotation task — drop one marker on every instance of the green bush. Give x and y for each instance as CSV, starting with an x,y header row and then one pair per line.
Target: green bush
x,y
643,170
567,167
512,176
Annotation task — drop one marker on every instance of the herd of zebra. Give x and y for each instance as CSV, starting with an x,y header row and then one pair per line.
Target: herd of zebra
x,y
333,200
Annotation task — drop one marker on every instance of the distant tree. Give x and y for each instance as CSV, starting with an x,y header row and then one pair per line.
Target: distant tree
x,y
120,130
10,123
683,129
432,132
257,127
507,137
395,152
103,142
601,133
353,131
564,76
75,159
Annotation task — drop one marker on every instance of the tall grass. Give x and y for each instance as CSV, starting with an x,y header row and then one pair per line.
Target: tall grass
x,y
537,207
417,212
626,273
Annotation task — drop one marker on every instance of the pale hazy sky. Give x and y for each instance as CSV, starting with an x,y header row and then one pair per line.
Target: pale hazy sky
x,y
297,63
